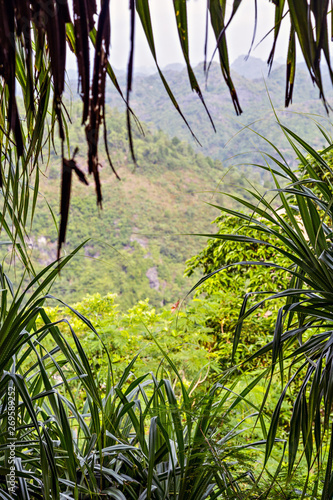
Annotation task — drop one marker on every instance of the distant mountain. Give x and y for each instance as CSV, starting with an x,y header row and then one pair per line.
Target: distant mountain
x,y
174,67
251,68
143,70
234,134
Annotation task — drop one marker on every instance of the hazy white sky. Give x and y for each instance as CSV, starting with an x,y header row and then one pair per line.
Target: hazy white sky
x,y
239,34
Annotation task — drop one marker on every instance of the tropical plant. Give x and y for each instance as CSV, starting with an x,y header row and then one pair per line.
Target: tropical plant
x,y
297,223
83,440
66,432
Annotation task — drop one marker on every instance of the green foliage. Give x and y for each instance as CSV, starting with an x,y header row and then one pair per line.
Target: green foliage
x,y
19,189
182,334
322,172
243,278
301,231
227,289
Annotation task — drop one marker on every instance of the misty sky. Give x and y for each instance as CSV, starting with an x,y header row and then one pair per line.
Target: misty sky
x,y
239,33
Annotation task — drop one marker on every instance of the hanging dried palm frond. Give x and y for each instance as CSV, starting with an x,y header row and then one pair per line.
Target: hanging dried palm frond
x,y
7,67
84,11
98,93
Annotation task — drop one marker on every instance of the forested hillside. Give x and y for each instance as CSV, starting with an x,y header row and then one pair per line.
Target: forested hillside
x,y
139,242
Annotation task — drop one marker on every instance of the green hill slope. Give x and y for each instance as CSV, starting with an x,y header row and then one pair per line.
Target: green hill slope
x,y
137,244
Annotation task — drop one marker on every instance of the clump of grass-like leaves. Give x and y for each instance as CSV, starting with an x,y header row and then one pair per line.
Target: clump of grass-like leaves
x,y
296,219
77,436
